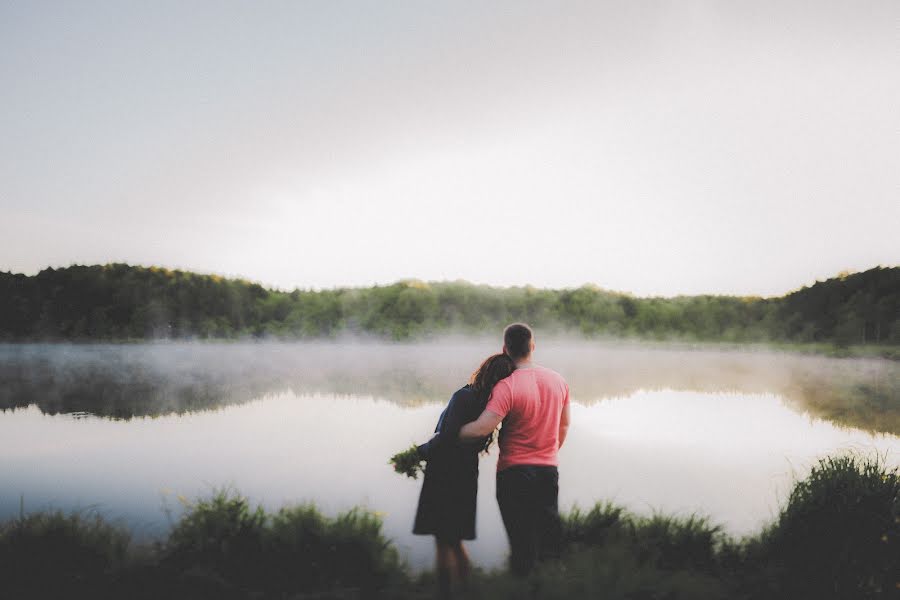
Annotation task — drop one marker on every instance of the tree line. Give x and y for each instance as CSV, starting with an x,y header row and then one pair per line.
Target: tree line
x,y
122,302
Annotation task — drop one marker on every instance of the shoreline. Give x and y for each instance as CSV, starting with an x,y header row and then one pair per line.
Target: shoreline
x,y
223,546
858,351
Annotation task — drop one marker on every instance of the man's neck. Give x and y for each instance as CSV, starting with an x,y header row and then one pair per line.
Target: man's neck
x,y
525,363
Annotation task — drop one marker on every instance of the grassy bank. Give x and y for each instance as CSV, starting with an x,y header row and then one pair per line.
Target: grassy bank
x,y
838,536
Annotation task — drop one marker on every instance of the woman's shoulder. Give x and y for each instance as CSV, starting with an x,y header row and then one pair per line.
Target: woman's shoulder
x,y
463,394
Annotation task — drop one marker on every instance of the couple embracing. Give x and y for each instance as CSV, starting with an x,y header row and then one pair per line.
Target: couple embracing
x,y
532,403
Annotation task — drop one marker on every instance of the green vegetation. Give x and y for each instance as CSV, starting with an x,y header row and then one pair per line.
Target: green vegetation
x,y
121,302
839,533
408,462
838,537
228,546
52,554
221,548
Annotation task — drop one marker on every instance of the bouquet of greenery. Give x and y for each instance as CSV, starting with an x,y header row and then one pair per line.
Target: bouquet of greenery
x,y
409,462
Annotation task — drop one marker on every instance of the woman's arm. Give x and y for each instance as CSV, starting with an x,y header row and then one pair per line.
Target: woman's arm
x,y
448,428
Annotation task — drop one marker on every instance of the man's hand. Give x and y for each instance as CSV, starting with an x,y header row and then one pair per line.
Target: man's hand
x,y
480,427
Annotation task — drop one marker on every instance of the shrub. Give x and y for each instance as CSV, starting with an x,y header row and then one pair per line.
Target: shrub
x,y
836,538
668,542
839,535
611,572
312,552
677,543
595,526
225,545
221,534
52,554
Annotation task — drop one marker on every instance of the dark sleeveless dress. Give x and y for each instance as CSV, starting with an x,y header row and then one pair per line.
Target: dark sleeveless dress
x,y
450,489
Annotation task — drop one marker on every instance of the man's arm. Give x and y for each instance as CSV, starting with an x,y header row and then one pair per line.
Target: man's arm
x,y
563,424
480,427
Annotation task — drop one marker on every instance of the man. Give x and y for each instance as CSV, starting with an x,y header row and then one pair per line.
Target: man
x,y
533,404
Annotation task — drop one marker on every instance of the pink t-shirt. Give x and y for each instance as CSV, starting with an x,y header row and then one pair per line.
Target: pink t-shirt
x,y
531,401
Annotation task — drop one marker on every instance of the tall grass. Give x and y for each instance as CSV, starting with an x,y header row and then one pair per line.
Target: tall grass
x,y
223,540
611,572
665,541
218,543
836,538
309,551
839,534
52,554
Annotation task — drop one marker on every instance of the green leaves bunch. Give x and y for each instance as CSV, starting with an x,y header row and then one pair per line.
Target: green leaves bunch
x,y
409,462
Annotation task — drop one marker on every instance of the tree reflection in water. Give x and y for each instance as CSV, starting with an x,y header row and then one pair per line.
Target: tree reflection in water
x,y
122,381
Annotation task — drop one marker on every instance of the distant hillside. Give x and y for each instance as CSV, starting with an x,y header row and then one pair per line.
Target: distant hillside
x,y
858,308
117,301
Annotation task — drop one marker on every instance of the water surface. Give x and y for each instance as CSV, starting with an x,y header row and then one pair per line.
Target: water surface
x,y
135,430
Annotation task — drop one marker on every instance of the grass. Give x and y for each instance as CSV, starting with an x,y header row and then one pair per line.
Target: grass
x,y
229,546
839,533
52,554
836,538
669,542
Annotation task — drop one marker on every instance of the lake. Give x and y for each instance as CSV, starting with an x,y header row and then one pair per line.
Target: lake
x,y
137,430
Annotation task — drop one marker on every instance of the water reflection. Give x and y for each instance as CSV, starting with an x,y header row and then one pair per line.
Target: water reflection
x,y
727,455
126,381
131,427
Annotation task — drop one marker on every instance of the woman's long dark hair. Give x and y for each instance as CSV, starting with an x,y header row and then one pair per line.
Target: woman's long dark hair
x,y
493,369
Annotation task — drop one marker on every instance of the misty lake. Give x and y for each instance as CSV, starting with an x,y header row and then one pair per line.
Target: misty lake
x,y
135,430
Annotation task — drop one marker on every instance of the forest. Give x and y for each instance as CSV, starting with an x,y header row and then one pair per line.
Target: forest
x,y
120,302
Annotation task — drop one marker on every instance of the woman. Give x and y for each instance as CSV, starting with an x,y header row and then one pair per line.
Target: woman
x,y
447,501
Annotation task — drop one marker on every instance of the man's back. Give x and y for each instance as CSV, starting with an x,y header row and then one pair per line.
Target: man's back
x,y
530,401
533,404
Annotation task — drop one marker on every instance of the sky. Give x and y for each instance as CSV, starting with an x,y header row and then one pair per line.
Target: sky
x,y
658,148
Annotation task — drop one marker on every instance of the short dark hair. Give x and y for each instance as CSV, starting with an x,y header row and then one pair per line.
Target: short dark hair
x,y
517,339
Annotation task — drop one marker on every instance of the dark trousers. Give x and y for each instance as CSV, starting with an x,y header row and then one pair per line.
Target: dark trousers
x,y
528,496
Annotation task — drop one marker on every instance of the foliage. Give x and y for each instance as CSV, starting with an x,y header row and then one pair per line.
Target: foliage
x,y
848,309
222,534
836,538
666,542
118,302
51,554
309,551
594,527
224,540
840,531
611,572
408,462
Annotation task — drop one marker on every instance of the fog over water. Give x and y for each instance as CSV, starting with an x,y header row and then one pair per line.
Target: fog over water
x,y
125,380
130,428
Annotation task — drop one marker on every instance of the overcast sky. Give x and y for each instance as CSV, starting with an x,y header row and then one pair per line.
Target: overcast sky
x,y
652,147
